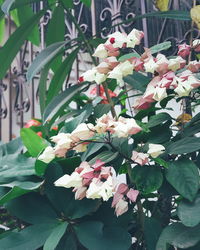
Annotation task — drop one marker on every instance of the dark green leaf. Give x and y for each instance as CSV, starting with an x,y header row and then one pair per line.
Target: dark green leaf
x,y
152,231
8,52
101,109
179,236
94,237
158,119
55,33
55,236
43,58
185,145
24,14
147,178
32,208
188,212
63,69
161,46
91,149
12,147
33,142
31,238
183,175
18,189
138,81
60,101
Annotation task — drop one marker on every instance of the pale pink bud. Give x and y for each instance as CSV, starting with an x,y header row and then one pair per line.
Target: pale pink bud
x,y
132,195
116,198
80,193
196,45
121,207
122,188
103,68
184,50
139,158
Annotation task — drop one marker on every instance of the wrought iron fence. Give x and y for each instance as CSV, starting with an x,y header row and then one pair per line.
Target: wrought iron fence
x,y
18,100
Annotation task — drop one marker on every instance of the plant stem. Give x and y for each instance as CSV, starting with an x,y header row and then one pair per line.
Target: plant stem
x,y
105,86
141,215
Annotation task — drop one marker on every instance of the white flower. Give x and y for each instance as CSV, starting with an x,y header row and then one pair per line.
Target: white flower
x,y
176,63
63,140
89,75
126,68
155,150
116,73
117,39
183,89
93,191
48,155
83,131
104,124
150,66
126,126
134,38
68,181
100,51
159,94
99,78
82,147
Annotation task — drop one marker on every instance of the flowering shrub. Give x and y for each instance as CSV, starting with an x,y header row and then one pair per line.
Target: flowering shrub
x,y
108,180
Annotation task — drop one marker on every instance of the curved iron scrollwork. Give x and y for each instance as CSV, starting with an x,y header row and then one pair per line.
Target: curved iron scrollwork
x,y
3,105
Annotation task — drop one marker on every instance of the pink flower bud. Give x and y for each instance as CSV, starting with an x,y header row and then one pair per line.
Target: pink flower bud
x,y
184,50
132,195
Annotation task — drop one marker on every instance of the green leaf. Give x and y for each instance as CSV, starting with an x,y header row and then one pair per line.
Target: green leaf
x,y
55,33
55,236
101,109
94,236
183,175
106,156
15,165
87,2
159,47
158,119
60,101
32,237
18,189
2,30
185,145
37,209
91,149
40,167
43,58
152,231
8,52
188,212
128,56
33,142
63,69
179,236
24,14
12,147
138,81
68,4
147,178
71,125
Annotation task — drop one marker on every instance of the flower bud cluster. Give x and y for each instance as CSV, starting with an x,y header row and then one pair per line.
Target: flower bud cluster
x,y
91,181
77,140
121,198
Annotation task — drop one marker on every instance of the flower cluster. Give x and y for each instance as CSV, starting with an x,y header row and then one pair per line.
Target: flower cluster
x,y
121,197
91,181
77,140
110,67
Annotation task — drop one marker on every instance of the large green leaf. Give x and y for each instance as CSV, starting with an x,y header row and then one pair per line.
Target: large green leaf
x,y
158,119
18,189
161,46
183,175
32,208
2,30
138,81
185,145
128,56
94,236
63,70
101,109
152,231
13,4
179,236
60,101
188,212
15,41
55,236
91,149
31,238
11,147
55,33
24,14
33,142
147,178
43,58
15,166
87,2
